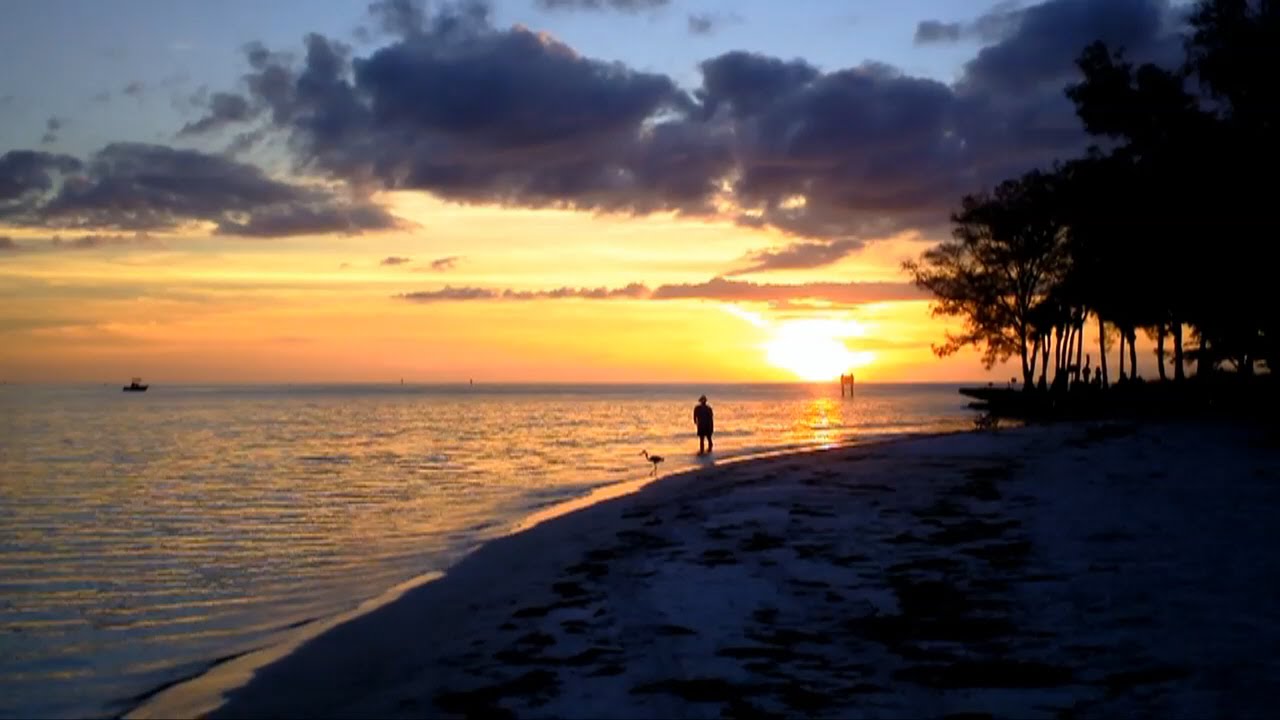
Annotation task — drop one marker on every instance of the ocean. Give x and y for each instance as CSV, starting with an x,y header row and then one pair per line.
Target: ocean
x,y
148,535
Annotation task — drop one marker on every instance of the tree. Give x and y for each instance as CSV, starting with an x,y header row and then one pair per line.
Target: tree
x,y
1234,54
1006,254
1147,196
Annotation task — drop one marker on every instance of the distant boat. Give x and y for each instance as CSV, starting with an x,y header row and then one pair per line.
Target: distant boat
x,y
135,386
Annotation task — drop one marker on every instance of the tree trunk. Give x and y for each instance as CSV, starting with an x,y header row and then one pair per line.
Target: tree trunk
x,y
1029,368
1203,365
1120,357
1069,347
1102,351
1044,360
1178,374
1160,333
1133,353
1058,332
1026,368
1079,347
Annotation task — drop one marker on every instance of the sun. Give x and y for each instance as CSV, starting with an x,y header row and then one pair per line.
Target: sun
x,y
814,350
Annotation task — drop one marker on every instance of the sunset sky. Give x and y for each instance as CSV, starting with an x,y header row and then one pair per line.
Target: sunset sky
x,y
530,190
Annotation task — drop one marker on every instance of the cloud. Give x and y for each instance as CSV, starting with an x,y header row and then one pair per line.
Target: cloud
x,y
720,289
473,113
992,26
134,89
802,255
84,242
850,293
224,109
139,187
445,263
404,18
935,31
478,115
701,24
244,142
95,242
27,174
628,6
315,213
1039,44
51,128
709,23
449,293
101,97
394,260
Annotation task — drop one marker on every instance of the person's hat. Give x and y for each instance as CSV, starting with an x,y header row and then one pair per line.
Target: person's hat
x,y
702,399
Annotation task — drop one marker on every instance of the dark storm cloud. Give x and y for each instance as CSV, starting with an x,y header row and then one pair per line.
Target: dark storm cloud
x,y
133,186
1044,40
477,114
223,109
474,114
394,260
630,6
27,174
749,82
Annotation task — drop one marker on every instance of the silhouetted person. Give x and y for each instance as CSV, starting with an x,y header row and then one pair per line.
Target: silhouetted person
x,y
705,419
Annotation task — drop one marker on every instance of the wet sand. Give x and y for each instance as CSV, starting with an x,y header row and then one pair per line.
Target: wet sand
x,y
1066,571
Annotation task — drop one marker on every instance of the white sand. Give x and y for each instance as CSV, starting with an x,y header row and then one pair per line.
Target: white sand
x,y
1078,570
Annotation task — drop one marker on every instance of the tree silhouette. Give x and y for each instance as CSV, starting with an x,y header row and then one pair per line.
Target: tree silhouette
x,y
1005,256
1165,228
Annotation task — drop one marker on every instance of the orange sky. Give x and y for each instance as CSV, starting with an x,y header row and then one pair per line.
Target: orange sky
x,y
204,309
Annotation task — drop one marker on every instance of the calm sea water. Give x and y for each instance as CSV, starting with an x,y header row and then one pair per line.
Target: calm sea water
x,y
145,536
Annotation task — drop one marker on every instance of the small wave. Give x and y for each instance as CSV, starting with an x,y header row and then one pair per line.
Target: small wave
x,y
326,459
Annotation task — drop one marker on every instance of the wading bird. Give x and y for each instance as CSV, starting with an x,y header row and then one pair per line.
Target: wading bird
x,y
655,459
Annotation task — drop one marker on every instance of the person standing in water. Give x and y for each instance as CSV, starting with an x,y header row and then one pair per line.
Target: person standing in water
x,y
705,419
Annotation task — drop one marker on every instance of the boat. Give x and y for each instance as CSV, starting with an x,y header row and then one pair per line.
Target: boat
x,y
135,386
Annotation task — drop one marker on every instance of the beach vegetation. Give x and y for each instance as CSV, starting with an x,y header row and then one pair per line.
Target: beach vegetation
x,y
1160,227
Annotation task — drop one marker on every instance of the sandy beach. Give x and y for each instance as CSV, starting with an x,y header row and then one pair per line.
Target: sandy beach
x,y
1082,570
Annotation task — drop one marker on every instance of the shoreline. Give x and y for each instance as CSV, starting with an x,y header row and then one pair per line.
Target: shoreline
x,y
200,693
1030,572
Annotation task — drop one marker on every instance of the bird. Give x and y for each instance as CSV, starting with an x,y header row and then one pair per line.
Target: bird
x,y
655,459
